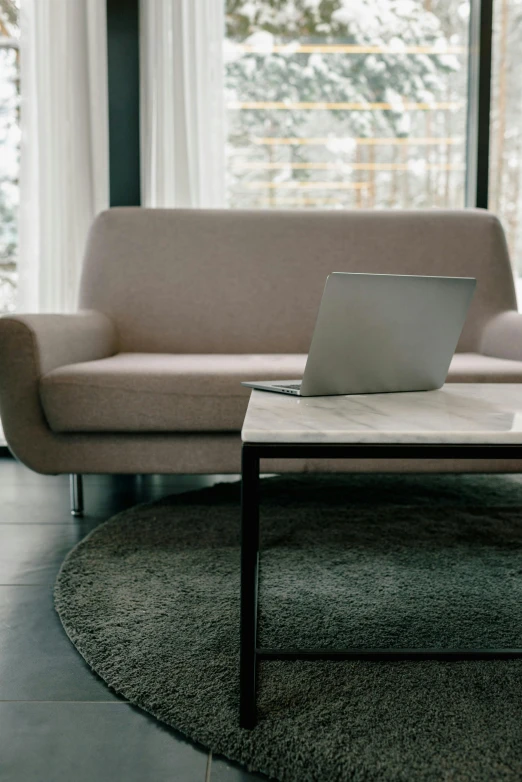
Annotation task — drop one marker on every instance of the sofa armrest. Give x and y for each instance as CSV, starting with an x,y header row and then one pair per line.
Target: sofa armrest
x,y
56,340
502,336
31,346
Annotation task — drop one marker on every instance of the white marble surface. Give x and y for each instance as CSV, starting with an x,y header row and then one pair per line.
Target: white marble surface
x,y
458,413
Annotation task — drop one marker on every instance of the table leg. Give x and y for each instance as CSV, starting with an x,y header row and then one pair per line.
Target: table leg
x,y
249,582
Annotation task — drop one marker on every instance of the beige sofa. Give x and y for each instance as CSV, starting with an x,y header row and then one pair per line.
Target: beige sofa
x,y
177,306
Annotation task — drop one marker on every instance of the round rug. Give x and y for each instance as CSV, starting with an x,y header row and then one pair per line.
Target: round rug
x,y
150,599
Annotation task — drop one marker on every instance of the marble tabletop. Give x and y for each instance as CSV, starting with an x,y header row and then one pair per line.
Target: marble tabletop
x,y
458,413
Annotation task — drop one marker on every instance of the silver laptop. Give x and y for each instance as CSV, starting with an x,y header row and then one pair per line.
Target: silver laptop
x,y
379,333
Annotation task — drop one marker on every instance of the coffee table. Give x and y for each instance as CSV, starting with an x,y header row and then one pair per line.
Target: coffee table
x,y
458,421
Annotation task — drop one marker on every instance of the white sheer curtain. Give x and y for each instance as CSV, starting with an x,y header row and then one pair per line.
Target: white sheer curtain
x,y
182,103
64,178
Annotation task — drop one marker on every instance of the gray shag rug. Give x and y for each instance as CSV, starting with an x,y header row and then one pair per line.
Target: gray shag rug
x,y
150,600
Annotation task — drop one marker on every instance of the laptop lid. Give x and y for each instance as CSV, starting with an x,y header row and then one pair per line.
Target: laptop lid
x,y
380,333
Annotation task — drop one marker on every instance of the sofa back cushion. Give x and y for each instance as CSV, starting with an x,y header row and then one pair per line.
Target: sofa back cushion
x,y
230,281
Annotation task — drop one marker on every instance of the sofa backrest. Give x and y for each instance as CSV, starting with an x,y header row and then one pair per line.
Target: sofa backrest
x,y
231,281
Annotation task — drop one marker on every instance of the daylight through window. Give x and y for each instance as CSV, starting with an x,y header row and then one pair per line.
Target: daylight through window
x,y
9,151
505,192
344,105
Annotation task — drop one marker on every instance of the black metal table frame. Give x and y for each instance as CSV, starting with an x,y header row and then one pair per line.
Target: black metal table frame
x,y
250,654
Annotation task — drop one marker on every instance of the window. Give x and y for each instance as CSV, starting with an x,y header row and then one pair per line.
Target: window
x,y
9,151
505,192
336,103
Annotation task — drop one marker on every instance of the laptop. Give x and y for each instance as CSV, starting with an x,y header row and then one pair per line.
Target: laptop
x,y
378,333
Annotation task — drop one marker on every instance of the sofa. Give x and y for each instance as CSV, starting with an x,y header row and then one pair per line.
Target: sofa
x,y
177,306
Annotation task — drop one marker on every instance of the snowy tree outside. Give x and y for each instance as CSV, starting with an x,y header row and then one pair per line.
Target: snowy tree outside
x,y
335,103
9,151
9,155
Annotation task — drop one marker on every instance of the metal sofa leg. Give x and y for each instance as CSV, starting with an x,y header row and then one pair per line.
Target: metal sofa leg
x,y
76,489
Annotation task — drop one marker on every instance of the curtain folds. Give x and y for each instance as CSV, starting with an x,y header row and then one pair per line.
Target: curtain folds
x,y
182,103
64,178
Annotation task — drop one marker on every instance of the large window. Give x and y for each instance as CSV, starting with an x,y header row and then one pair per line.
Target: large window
x,y
9,151
336,103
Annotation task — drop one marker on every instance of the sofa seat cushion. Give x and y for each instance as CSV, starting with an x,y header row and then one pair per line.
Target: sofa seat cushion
x,y
151,392
148,392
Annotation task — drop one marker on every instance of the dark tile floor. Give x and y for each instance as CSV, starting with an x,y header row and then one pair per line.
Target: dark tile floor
x,y
58,721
